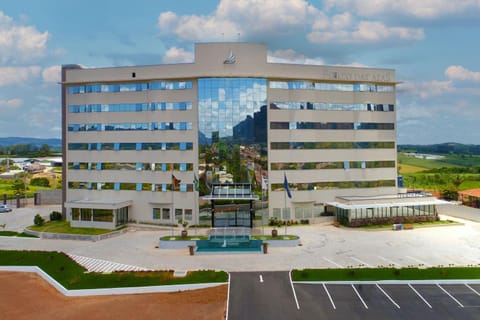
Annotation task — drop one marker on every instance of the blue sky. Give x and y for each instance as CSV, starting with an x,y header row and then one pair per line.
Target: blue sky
x,y
432,44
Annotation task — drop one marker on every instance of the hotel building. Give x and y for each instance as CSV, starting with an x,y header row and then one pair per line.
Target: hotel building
x,y
150,143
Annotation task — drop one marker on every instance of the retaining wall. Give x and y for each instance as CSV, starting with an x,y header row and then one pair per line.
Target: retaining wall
x,y
66,236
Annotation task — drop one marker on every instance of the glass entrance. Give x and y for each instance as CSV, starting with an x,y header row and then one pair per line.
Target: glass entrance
x,y
232,216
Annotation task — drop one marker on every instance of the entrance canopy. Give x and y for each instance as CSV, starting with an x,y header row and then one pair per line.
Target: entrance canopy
x,y
235,213
98,204
231,191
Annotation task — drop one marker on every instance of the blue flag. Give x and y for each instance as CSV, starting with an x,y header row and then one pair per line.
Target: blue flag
x,y
285,186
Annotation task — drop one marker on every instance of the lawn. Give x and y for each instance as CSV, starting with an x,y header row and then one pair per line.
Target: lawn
x,y
64,227
423,163
375,274
406,168
72,276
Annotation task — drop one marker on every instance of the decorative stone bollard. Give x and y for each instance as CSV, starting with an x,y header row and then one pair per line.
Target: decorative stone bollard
x,y
265,247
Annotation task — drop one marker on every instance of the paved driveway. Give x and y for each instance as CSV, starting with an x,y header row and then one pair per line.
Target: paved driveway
x,y
271,295
322,246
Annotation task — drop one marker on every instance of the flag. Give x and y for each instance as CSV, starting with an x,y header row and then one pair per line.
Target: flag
x,y
264,183
285,186
195,182
175,182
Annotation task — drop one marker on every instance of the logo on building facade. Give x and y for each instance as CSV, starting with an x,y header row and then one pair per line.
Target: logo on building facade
x,y
230,59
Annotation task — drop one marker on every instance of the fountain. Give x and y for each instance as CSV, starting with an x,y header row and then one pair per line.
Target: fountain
x,y
229,239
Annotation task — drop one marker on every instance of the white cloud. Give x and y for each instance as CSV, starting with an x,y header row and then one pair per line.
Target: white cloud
x,y
178,55
52,74
16,75
461,73
426,89
248,18
11,103
290,56
20,43
367,32
424,9
257,20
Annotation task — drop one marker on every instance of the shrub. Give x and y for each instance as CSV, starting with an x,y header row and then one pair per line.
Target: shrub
x,y
55,215
40,182
38,220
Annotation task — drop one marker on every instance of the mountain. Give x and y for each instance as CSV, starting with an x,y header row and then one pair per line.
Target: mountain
x,y
55,144
442,148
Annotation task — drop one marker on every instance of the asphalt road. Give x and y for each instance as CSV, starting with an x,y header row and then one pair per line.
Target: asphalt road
x,y
261,295
269,295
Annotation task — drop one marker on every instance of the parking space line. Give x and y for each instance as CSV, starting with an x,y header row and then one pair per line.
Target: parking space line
x,y
329,296
478,294
421,297
420,261
333,262
293,289
359,296
389,298
453,298
362,262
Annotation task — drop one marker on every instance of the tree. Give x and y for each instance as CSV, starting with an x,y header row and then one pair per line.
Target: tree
x,y
457,181
44,150
19,186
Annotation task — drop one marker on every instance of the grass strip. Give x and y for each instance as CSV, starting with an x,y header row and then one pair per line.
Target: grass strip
x,y
72,276
15,234
414,224
64,227
279,237
375,274
180,238
256,237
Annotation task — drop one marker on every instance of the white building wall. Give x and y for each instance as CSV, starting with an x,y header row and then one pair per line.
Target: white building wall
x,y
251,61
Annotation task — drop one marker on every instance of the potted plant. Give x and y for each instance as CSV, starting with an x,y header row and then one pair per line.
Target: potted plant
x,y
184,224
275,231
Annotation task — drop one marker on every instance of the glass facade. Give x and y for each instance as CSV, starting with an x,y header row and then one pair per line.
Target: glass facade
x,y
326,86
129,107
331,106
232,126
230,110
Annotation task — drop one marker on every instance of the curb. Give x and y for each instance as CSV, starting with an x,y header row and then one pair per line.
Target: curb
x,y
108,291
433,281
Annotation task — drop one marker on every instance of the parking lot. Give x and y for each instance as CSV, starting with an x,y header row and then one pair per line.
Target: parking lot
x,y
271,295
389,301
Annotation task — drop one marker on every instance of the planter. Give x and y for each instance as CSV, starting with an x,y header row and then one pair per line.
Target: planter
x,y
191,250
184,233
274,232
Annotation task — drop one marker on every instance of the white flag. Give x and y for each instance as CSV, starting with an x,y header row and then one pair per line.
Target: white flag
x,y
264,183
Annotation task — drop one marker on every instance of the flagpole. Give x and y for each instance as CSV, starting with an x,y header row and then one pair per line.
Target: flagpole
x,y
285,209
173,198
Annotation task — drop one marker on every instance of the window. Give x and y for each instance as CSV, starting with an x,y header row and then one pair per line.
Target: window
x,y
178,214
165,213
156,213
